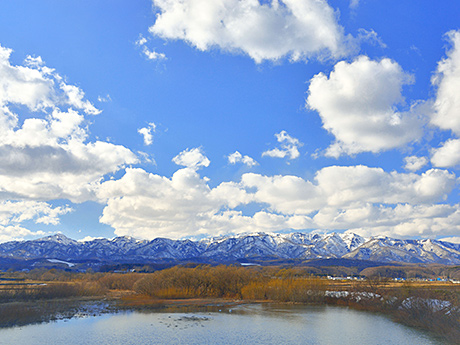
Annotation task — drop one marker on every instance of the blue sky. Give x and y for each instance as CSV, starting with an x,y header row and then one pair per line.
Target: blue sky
x,y
167,118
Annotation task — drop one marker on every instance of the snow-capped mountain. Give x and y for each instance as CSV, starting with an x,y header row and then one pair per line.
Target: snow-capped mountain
x,y
385,249
256,246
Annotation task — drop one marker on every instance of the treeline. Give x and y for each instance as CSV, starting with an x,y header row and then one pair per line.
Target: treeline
x,y
283,285
414,271
53,284
204,281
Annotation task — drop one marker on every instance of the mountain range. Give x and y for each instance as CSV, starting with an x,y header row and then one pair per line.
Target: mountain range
x,y
245,249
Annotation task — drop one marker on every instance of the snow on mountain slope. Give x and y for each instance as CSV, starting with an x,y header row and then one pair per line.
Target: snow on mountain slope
x,y
387,249
260,246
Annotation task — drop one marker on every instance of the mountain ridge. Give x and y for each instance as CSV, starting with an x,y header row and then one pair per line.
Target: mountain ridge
x,y
243,247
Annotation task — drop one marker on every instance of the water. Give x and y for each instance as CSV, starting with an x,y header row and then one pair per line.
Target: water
x,y
245,324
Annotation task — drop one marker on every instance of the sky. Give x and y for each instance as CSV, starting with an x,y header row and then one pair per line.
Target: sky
x,y
196,118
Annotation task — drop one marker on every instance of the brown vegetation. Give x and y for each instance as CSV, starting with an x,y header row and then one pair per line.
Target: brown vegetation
x,y
201,281
413,271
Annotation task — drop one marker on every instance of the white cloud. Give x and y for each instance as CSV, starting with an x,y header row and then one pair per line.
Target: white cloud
x,y
141,41
104,99
357,104
151,54
89,239
16,232
24,85
447,103
264,31
356,198
16,212
448,155
289,147
147,205
451,239
147,133
43,146
67,171
447,81
354,4
192,158
75,97
284,194
342,187
145,157
399,221
371,37
414,163
237,157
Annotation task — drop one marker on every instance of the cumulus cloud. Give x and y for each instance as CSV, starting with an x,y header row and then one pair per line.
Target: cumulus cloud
x,y
75,97
447,81
447,103
192,158
342,187
237,157
400,221
43,136
147,133
289,147
448,155
451,239
268,30
16,232
148,205
16,212
357,104
338,198
414,163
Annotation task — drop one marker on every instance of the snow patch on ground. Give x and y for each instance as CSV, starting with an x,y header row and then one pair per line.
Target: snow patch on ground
x,y
55,261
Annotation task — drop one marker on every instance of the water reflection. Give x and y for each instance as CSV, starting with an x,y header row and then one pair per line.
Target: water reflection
x,y
244,324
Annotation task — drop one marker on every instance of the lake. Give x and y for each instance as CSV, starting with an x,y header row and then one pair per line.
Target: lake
x,y
243,324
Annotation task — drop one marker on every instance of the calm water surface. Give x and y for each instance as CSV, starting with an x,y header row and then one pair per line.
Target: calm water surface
x,y
245,324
